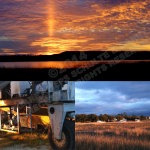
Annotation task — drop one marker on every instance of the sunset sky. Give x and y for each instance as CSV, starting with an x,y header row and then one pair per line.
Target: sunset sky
x,y
113,97
54,26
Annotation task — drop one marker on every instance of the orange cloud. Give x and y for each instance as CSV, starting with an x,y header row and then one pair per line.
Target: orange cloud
x,y
56,26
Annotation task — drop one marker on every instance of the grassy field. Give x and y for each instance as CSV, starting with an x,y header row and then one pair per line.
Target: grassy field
x,y
113,136
26,139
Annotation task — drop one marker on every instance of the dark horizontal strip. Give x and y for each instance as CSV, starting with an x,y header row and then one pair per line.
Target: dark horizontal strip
x,y
81,56
101,72
65,64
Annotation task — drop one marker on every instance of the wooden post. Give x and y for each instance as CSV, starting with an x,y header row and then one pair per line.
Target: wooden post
x,y
10,112
31,116
13,109
18,118
0,119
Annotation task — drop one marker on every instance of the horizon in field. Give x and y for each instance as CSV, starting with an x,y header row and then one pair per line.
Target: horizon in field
x,y
113,97
115,114
52,27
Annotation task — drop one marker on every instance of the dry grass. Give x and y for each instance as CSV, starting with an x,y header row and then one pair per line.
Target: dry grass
x,y
113,136
27,139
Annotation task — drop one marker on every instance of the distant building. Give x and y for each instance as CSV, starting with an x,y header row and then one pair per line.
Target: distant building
x,y
99,121
148,117
137,120
115,119
123,120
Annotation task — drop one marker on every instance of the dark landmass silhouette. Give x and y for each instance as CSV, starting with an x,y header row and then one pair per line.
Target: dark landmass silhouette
x,y
80,56
100,72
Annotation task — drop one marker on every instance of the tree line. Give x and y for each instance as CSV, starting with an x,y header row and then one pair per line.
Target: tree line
x,y
107,118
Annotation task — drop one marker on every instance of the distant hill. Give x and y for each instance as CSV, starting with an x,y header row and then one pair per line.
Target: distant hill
x,y
79,56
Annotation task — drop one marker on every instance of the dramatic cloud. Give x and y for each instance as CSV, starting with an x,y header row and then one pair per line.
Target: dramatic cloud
x,y
49,27
113,97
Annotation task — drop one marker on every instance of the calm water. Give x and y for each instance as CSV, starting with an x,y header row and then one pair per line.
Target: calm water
x,y
47,64
62,64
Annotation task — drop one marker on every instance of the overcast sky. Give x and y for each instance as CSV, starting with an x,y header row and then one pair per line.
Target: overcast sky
x,y
113,97
54,26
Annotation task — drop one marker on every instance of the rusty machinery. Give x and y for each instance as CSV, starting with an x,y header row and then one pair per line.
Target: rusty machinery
x,y
58,96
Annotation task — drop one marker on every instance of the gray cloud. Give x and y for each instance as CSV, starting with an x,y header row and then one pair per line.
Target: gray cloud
x,y
113,97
